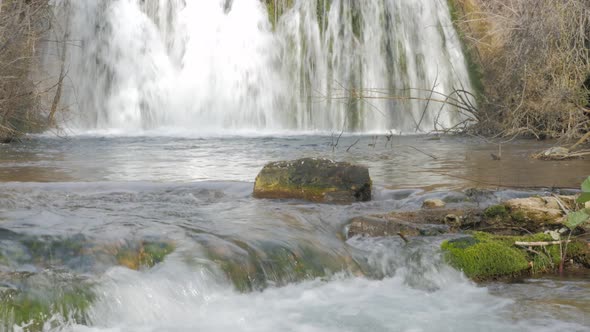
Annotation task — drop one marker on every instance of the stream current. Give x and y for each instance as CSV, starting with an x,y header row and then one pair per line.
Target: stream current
x,y
69,208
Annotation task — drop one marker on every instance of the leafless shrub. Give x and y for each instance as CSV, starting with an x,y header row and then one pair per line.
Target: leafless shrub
x,y
22,24
534,57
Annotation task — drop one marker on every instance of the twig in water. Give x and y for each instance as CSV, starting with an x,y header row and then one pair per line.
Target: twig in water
x,y
353,144
334,145
428,154
403,237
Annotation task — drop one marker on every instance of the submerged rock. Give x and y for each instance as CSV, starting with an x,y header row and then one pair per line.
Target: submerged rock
x,y
433,204
425,222
375,226
259,264
82,253
38,301
317,180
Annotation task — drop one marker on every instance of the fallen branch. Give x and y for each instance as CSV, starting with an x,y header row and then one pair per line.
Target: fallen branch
x,y
540,244
580,141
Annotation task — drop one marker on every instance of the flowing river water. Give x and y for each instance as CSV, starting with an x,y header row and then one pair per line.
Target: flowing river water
x,y
72,209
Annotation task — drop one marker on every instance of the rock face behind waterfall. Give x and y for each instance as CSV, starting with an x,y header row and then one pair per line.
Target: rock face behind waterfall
x,y
317,180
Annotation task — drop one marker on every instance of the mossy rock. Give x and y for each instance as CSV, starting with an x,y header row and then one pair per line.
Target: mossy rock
x,y
35,308
482,257
256,266
485,256
318,180
495,211
145,254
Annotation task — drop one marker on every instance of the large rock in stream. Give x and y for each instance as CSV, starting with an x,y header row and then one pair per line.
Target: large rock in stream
x,y
317,180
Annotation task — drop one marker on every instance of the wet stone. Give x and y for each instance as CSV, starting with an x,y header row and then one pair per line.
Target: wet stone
x,y
433,204
375,227
317,180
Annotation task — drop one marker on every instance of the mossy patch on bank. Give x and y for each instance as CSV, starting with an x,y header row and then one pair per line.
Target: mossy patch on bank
x,y
485,256
481,257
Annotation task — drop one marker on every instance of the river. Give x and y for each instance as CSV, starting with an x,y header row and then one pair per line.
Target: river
x,y
69,205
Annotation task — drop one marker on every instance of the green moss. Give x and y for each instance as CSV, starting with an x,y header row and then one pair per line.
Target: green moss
x,y
313,179
486,256
264,263
35,309
518,216
322,9
244,276
402,60
146,254
357,22
482,257
155,252
275,9
496,211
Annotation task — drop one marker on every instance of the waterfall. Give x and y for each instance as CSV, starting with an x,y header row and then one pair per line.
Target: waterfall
x,y
222,65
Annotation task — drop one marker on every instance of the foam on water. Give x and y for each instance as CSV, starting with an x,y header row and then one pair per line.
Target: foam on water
x,y
176,297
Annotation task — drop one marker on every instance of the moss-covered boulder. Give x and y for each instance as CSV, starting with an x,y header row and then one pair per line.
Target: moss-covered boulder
x,y
484,256
481,257
318,180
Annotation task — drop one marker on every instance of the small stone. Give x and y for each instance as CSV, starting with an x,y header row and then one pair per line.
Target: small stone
x,y
433,204
535,209
556,151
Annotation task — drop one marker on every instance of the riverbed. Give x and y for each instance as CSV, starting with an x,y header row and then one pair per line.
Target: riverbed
x,y
299,271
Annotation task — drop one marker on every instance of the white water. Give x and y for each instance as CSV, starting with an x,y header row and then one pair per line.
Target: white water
x,y
181,301
419,294
212,66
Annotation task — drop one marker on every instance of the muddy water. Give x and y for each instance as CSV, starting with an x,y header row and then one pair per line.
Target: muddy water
x,y
69,208
401,162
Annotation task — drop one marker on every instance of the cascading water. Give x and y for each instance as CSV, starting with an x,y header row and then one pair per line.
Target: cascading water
x,y
312,65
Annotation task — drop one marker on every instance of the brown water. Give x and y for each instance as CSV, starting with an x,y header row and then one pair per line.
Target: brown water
x,y
402,162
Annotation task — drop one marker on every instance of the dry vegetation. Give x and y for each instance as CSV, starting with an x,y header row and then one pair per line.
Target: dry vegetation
x,y
22,24
532,59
